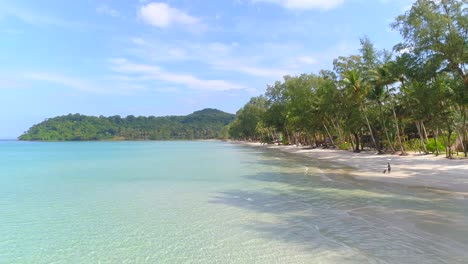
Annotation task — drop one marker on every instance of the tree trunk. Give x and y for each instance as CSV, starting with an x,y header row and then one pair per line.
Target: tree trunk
x,y
436,134
449,145
273,137
421,138
356,138
425,132
385,128
402,149
371,133
338,129
331,138
351,141
461,143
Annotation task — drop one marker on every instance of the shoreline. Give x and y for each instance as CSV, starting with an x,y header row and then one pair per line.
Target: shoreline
x,y
116,140
414,170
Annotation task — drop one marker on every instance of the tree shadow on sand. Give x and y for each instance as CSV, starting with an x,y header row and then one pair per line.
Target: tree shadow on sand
x,y
373,165
342,219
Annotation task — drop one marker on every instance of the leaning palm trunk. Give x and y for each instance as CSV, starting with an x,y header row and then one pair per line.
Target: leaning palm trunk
x,y
449,144
338,129
388,140
425,132
273,136
385,128
352,142
356,138
287,136
398,132
370,130
461,143
436,135
329,135
421,138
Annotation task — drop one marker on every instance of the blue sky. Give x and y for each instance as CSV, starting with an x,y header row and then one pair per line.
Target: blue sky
x,y
109,57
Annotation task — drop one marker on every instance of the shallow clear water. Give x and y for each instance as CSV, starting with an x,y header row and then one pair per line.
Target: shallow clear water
x,y
211,202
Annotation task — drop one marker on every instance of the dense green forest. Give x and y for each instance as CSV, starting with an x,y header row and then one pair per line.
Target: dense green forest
x,y
413,97
204,124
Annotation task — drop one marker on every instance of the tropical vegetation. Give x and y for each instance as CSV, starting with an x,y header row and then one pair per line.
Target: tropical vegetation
x,y
204,124
413,97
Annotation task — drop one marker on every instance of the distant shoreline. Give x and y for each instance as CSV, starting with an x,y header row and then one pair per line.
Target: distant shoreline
x,y
115,140
427,171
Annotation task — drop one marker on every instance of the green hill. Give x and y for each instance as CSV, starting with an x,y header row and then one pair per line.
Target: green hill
x,y
204,124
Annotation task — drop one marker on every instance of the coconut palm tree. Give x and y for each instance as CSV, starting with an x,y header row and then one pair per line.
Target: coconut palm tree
x,y
357,89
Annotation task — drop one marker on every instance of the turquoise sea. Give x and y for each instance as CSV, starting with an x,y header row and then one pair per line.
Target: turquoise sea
x,y
211,202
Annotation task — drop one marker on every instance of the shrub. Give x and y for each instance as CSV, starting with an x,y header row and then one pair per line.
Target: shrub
x,y
412,144
431,146
345,146
267,140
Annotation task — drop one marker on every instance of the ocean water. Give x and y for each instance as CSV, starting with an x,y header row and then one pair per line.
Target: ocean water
x,y
211,202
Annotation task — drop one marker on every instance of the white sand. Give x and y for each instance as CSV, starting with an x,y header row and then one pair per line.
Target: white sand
x,y
436,173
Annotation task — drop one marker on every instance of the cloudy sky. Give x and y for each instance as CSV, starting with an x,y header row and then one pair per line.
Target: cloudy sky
x,y
121,57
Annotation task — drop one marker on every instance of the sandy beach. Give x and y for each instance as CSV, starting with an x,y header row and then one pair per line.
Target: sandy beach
x,y
435,173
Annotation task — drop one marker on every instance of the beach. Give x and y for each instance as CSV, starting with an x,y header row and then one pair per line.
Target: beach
x,y
436,173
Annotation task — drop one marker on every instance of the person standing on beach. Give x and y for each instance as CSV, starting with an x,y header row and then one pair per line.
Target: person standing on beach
x,y
388,169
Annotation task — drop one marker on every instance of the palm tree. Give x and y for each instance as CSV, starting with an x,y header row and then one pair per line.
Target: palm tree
x,y
381,78
357,91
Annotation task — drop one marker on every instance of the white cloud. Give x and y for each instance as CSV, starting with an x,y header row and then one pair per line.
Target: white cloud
x,y
74,83
167,90
41,20
177,53
157,51
106,10
306,4
139,41
405,5
261,64
10,82
306,60
122,87
162,15
144,72
299,64
242,67
405,50
122,65
219,56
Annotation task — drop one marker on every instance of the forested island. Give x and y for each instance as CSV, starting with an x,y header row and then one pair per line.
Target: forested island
x,y
204,124
414,97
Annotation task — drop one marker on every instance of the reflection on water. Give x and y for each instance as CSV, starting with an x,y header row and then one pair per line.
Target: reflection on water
x,y
341,220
